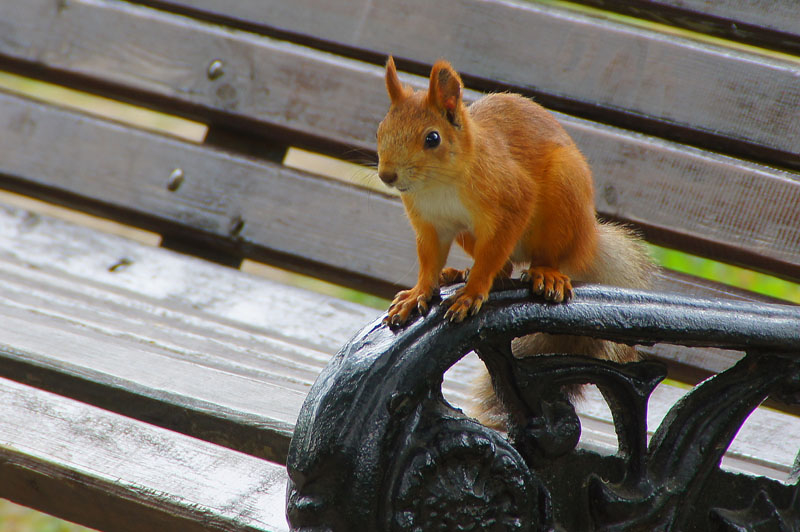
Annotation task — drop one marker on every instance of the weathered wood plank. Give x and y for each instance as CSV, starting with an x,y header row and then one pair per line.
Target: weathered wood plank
x,y
770,23
214,353
206,314
113,473
695,201
165,57
766,444
127,338
700,202
145,380
601,63
170,286
282,210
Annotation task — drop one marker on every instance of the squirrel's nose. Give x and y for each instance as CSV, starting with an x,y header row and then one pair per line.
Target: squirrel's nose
x,y
387,176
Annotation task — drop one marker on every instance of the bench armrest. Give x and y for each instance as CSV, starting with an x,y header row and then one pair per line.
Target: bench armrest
x,y
377,447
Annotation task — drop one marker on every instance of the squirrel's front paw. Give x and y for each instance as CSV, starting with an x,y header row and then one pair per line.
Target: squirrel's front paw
x,y
452,276
462,304
405,302
548,282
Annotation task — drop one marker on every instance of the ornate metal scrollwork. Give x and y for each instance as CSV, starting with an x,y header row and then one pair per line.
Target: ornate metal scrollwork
x,y
451,473
376,447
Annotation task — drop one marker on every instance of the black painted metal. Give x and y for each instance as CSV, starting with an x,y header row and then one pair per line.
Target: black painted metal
x,y
376,447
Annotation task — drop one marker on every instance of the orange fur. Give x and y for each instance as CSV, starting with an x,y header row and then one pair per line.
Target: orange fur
x,y
508,184
505,181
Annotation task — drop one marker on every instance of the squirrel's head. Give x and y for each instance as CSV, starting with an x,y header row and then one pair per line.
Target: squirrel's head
x,y
424,136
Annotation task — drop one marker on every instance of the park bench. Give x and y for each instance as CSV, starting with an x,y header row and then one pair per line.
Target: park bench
x,y
157,387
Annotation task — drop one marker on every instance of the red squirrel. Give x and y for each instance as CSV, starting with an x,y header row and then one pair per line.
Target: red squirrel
x,y
503,179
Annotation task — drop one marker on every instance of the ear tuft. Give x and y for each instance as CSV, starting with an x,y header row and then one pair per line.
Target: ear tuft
x,y
395,89
444,91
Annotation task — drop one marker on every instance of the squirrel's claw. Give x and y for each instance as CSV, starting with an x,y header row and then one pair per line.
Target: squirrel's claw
x,y
452,276
462,305
548,282
404,303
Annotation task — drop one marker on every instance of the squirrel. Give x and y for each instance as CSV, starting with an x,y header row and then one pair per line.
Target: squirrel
x,y
503,179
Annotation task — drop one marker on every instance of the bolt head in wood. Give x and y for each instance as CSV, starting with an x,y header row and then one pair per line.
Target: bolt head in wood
x,y
215,69
175,180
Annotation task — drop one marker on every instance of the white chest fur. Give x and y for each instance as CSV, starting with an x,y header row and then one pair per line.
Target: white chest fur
x,y
442,207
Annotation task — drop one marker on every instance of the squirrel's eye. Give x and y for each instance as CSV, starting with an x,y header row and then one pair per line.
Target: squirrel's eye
x,y
432,139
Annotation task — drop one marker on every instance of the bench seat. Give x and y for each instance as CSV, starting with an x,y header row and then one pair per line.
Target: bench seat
x,y
204,352
114,473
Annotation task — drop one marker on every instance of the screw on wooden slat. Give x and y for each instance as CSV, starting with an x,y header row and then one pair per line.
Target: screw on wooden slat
x,y
215,70
175,180
120,265
236,226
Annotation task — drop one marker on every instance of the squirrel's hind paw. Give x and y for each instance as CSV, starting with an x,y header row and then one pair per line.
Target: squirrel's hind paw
x,y
452,276
548,282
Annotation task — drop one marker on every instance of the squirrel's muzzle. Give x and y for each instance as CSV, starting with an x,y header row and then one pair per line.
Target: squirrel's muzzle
x,y
388,177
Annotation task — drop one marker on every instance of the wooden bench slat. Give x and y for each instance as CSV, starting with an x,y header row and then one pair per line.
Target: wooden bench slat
x,y
218,372
169,339
173,289
113,473
662,187
699,202
207,314
765,445
184,337
775,27
587,59
162,57
148,382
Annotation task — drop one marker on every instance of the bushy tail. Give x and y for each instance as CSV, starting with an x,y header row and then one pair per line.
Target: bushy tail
x,y
621,260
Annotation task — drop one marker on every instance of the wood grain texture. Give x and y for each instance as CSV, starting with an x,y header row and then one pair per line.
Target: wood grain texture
x,y
149,54
175,341
709,204
193,313
187,344
113,473
765,445
282,210
768,23
559,53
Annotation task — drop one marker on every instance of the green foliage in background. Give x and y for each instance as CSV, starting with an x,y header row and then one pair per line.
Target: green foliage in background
x,y
726,274
15,518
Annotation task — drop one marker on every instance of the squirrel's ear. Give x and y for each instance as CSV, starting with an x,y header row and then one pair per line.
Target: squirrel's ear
x,y
444,92
393,86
